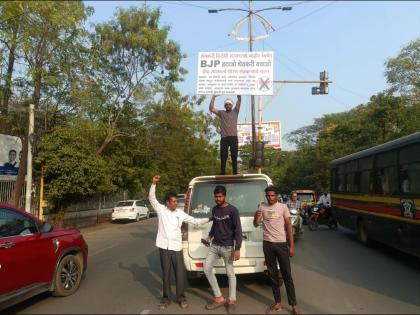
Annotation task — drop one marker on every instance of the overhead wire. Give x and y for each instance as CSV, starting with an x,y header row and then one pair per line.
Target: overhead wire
x,y
305,16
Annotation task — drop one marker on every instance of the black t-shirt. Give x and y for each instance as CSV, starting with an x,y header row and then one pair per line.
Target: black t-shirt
x,y
226,228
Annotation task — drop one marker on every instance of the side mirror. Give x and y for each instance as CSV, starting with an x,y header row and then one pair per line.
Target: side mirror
x,y
46,227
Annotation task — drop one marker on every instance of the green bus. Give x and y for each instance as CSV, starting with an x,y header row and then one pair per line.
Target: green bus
x,y
376,193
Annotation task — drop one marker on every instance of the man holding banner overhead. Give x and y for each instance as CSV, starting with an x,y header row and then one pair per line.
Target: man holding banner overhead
x,y
229,132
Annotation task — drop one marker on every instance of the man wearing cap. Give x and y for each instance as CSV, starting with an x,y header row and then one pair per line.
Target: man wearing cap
x,y
229,132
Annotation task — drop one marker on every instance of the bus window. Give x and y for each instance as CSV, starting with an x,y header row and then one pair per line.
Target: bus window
x,y
387,181
365,182
410,178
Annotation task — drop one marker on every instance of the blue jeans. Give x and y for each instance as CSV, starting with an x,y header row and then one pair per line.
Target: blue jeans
x,y
226,253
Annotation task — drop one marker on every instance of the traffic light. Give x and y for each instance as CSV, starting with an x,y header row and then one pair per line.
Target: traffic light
x,y
259,153
323,86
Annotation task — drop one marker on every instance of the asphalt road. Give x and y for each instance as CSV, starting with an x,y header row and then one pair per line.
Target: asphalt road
x,y
332,272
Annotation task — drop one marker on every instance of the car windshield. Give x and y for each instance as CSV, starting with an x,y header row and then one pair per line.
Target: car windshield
x,y
306,197
124,204
244,195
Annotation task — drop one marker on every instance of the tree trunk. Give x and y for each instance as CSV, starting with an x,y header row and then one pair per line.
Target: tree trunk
x,y
8,80
20,181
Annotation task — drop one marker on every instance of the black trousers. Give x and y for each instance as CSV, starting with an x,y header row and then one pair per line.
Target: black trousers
x,y
225,143
279,252
172,259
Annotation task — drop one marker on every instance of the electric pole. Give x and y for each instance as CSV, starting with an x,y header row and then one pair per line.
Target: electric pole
x,y
29,162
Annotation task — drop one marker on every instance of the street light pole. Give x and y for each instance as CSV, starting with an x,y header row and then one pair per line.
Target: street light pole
x,y
254,137
28,194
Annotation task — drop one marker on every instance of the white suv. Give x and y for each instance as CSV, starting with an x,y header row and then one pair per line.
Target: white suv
x,y
245,192
131,210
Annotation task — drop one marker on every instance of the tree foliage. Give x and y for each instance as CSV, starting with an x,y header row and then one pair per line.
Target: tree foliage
x,y
403,71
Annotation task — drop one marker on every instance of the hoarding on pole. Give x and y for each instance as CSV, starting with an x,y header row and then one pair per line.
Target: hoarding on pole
x,y
10,155
235,73
271,133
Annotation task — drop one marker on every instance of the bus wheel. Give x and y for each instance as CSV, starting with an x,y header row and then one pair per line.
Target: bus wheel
x,y
362,233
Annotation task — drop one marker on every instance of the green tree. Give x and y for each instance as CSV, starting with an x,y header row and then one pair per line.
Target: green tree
x,y
72,171
132,58
403,71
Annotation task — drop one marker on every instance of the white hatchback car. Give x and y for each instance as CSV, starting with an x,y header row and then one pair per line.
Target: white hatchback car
x,y
131,210
244,191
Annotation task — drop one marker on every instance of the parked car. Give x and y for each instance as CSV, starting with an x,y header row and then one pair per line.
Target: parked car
x,y
130,210
245,192
36,257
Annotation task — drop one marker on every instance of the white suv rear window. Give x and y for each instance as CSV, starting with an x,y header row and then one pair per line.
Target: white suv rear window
x,y
245,195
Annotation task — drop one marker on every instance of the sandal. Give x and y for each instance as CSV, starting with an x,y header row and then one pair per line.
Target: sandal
x,y
295,310
183,304
163,305
274,308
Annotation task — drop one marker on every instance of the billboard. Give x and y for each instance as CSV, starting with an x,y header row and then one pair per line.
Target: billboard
x,y
235,73
271,133
10,154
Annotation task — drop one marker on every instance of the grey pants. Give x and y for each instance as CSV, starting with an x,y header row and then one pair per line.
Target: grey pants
x,y
226,253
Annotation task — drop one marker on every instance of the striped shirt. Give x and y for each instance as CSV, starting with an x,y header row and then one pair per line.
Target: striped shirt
x,y
294,204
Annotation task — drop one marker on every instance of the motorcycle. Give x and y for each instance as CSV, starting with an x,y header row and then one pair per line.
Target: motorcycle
x,y
294,219
320,215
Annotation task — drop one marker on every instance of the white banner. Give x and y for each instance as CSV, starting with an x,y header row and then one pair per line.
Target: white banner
x,y
235,73
270,130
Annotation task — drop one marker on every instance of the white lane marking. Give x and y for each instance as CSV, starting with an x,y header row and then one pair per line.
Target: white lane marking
x,y
145,312
102,250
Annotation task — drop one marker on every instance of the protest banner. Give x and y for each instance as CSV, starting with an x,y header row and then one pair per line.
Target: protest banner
x,y
235,73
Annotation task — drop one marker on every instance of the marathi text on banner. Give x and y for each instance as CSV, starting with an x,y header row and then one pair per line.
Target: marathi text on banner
x,y
235,73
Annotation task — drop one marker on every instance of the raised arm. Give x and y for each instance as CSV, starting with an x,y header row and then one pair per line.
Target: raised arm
x,y
211,105
238,103
152,195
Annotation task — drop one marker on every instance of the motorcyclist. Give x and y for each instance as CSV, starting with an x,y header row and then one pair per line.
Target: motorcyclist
x,y
325,202
294,203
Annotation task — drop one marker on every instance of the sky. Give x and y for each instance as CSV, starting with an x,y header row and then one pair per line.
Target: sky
x,y
350,39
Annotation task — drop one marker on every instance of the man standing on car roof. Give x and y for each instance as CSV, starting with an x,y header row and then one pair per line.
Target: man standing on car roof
x,y
274,218
169,242
226,239
229,132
